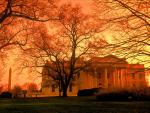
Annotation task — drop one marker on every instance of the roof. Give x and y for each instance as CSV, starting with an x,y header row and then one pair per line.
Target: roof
x,y
109,59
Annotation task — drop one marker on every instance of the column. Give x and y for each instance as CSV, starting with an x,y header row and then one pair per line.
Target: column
x,y
114,79
122,80
105,79
117,79
126,78
95,78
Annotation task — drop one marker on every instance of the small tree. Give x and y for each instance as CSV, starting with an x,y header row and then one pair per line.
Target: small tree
x,y
32,87
16,91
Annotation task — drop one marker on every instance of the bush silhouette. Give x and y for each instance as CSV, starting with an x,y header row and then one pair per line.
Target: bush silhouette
x,y
88,92
123,96
6,95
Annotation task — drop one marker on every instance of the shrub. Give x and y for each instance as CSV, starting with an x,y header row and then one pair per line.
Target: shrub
x,y
88,92
16,91
123,96
6,95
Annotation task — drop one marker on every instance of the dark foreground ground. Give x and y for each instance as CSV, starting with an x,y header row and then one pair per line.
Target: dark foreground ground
x,y
71,105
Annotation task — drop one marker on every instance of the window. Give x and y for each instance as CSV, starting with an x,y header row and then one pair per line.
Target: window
x,y
140,76
119,76
99,75
108,75
95,72
109,85
141,84
53,88
133,85
133,75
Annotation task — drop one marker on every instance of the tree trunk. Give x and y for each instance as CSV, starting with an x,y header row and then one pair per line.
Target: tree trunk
x,y
64,92
59,86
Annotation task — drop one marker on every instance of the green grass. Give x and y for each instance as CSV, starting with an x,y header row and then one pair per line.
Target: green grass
x,y
70,105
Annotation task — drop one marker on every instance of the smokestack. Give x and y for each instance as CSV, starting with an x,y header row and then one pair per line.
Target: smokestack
x,y
9,80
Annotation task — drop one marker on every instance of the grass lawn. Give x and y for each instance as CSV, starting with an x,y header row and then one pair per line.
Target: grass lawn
x,y
70,105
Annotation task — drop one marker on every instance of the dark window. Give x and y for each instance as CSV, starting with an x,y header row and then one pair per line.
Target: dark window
x,y
108,75
95,72
100,84
140,76
141,84
100,75
119,76
133,85
109,85
53,88
133,75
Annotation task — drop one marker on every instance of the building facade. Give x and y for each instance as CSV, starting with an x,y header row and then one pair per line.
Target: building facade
x,y
108,73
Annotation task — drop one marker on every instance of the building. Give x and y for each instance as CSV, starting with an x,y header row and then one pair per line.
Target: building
x,y
108,73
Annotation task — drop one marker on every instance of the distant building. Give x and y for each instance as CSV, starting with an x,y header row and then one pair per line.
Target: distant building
x,y
108,73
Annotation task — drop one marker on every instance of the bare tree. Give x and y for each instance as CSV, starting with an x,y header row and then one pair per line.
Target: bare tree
x,y
13,35
65,53
32,10
129,21
15,13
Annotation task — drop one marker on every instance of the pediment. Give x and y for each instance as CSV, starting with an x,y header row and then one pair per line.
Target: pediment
x,y
110,59
114,59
